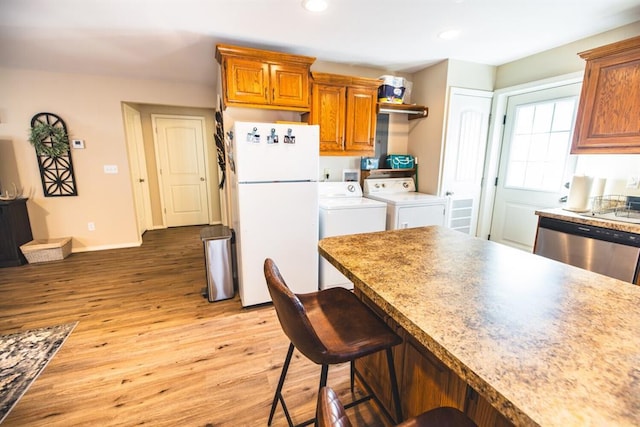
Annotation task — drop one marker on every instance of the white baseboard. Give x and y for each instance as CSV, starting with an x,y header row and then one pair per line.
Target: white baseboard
x,y
106,247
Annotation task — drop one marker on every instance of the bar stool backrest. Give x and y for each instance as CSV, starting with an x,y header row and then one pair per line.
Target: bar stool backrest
x,y
292,315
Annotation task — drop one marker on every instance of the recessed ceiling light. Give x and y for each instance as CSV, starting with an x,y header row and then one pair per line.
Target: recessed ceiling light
x,y
449,34
314,5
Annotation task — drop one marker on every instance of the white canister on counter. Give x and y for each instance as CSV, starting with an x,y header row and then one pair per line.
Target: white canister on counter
x,y
597,187
578,200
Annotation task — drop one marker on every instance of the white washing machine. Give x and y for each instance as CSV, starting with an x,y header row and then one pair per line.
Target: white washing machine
x,y
406,208
343,210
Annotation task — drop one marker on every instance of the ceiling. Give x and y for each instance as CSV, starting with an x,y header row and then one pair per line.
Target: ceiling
x,y
175,39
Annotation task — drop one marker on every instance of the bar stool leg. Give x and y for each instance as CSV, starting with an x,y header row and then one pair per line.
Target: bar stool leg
x,y
278,395
353,375
323,376
394,385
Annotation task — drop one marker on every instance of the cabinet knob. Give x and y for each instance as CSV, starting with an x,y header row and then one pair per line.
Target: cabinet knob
x,y
140,179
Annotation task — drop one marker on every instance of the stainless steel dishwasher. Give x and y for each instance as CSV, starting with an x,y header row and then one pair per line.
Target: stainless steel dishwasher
x,y
602,250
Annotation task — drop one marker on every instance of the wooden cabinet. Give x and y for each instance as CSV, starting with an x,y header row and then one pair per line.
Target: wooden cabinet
x,y
15,230
345,108
608,120
263,79
426,383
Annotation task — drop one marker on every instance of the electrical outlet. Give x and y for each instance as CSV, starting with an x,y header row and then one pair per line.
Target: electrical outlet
x,y
110,168
91,226
632,182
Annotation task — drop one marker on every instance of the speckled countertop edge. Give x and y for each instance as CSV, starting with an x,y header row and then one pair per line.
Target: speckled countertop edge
x,y
395,304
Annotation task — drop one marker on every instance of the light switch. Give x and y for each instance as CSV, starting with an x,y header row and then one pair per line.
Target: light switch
x,y
110,168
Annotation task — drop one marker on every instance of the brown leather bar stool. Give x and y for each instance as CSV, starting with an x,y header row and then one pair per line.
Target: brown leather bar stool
x,y
331,414
330,326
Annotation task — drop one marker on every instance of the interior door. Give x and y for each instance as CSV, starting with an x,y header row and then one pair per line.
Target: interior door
x,y
465,147
138,168
534,162
181,169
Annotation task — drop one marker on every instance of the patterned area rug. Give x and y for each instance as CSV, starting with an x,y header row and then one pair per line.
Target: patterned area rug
x,y
23,356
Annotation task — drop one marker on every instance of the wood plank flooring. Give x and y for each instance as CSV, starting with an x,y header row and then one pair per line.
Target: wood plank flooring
x,y
149,349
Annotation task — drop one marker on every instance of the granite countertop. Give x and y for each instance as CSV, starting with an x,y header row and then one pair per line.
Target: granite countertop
x,y
588,219
545,343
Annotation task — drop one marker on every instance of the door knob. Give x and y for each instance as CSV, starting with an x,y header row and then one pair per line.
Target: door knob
x,y
448,193
201,179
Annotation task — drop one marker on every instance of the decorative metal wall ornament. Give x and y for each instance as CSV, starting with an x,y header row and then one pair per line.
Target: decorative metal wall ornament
x,y
49,137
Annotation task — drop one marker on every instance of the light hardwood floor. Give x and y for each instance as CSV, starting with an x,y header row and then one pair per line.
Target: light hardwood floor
x,y
149,349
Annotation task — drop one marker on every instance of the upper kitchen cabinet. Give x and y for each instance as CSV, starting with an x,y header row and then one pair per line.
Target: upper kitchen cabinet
x,y
345,108
608,120
263,79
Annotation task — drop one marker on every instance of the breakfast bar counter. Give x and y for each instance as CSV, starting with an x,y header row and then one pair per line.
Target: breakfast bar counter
x,y
542,342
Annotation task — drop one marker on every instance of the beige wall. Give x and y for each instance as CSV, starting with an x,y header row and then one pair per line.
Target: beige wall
x,y
559,61
425,135
91,107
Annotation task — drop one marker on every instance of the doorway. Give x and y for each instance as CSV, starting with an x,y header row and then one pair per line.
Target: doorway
x,y
182,170
466,141
138,168
534,161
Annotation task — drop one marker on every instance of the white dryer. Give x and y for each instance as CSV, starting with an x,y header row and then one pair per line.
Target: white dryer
x,y
343,210
406,208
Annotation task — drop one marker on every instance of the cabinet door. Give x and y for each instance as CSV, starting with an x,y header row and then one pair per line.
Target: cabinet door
x,y
609,108
374,368
480,411
289,85
360,120
328,111
247,81
427,383
15,230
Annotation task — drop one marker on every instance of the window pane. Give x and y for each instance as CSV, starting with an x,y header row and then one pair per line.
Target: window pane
x,y
539,145
558,146
520,148
543,117
563,117
524,119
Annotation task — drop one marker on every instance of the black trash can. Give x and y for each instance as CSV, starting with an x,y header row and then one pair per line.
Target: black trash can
x,y
218,255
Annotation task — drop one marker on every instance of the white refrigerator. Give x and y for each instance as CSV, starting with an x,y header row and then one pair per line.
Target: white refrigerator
x,y
274,190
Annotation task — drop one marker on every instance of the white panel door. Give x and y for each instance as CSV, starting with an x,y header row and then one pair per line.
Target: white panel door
x,y
465,147
181,169
534,162
138,168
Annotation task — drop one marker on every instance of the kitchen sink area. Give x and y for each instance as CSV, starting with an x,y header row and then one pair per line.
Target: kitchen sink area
x,y
616,208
